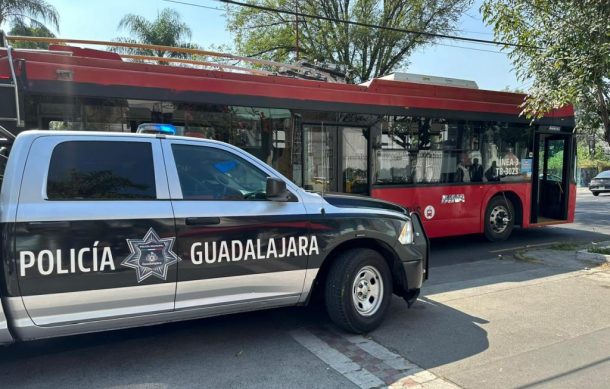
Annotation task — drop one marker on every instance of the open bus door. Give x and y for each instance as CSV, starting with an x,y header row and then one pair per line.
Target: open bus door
x,y
551,177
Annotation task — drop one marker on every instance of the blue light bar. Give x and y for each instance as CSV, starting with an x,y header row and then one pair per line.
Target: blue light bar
x,y
157,128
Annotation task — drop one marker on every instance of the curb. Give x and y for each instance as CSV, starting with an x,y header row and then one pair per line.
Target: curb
x,y
586,255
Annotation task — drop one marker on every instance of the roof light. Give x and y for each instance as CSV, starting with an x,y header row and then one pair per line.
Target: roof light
x,y
157,128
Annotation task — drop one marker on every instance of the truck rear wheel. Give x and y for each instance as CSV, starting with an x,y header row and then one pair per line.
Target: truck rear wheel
x,y
358,290
499,219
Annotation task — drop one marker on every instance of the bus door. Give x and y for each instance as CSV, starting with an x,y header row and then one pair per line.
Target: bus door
x,y
335,159
551,177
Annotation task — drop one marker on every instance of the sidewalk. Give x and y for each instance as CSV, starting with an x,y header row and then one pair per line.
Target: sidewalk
x,y
538,319
566,255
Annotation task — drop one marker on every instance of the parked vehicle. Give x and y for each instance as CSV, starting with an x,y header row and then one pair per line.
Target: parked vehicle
x,y
107,230
463,158
600,183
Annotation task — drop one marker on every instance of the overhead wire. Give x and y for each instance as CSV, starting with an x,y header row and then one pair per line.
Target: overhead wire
x,y
440,36
198,5
361,24
471,48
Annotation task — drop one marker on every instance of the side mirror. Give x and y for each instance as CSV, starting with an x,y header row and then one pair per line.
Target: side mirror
x,y
276,190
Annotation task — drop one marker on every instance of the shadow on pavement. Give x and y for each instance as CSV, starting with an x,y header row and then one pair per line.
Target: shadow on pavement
x,y
251,349
497,274
431,334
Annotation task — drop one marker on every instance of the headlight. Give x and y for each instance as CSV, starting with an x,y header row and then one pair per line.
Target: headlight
x,y
406,233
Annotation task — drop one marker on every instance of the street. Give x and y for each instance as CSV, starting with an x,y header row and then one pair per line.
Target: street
x,y
484,320
592,222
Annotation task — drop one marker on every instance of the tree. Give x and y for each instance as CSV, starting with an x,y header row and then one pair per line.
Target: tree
x,y
510,89
564,50
22,29
28,12
367,52
167,29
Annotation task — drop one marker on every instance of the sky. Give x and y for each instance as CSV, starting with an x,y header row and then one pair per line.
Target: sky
x,y
484,64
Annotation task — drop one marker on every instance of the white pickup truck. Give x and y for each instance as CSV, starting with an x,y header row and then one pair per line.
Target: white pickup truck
x,y
103,231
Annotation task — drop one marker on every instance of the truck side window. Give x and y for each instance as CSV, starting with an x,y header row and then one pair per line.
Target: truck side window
x,y
100,170
206,173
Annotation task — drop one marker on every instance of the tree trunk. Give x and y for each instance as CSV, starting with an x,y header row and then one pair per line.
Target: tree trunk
x,y
603,111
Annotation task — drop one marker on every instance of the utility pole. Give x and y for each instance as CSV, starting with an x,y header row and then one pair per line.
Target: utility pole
x,y
297,27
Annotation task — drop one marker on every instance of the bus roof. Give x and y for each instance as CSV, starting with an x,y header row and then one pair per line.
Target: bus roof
x,y
88,71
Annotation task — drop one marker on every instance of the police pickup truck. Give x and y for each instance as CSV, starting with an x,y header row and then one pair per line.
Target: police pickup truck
x,y
104,230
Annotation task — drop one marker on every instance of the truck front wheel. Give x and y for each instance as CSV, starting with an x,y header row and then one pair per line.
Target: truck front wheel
x,y
358,290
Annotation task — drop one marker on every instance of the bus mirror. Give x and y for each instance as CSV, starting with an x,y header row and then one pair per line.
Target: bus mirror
x,y
276,190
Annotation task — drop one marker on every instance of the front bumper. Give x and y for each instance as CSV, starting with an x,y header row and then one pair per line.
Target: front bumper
x,y
414,271
413,263
413,266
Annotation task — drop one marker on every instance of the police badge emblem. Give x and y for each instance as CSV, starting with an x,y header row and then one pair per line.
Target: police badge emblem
x,y
151,256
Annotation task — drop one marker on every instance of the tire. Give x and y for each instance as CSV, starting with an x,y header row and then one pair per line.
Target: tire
x,y
595,193
499,219
355,271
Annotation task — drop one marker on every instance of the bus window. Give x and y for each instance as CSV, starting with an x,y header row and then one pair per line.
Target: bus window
x,y
422,150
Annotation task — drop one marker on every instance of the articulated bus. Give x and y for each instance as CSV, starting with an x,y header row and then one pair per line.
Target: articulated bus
x,y
463,158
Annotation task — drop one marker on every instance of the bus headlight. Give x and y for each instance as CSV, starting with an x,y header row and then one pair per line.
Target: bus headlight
x,y
406,233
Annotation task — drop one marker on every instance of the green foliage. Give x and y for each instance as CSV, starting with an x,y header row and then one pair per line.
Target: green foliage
x,y
555,163
507,88
22,29
28,12
598,159
564,50
367,52
167,29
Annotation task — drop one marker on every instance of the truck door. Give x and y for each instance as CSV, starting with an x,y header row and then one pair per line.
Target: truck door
x,y
95,230
236,246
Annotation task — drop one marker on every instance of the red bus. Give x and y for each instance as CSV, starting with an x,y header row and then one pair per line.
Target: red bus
x,y
461,157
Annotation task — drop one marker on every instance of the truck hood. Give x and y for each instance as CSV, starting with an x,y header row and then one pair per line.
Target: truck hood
x,y
356,201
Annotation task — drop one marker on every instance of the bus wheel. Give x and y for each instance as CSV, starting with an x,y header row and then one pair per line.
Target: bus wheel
x,y
358,290
499,219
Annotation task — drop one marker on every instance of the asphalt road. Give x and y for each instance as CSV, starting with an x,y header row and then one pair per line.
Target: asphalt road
x,y
260,349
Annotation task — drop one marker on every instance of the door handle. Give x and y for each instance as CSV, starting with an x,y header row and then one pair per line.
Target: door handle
x,y
41,226
202,221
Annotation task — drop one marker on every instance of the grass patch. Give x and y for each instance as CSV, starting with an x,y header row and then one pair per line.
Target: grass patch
x,y
566,246
600,250
523,257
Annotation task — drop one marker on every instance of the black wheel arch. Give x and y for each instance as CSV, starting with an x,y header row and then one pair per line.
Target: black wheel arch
x,y
399,280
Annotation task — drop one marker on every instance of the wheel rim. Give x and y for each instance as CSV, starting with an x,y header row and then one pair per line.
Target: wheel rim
x,y
499,219
367,291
